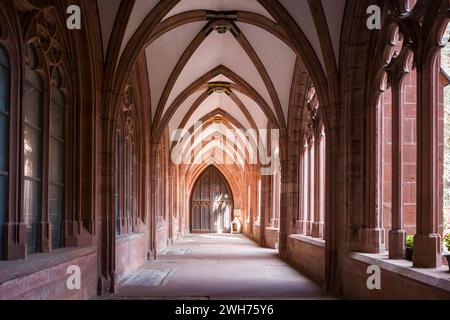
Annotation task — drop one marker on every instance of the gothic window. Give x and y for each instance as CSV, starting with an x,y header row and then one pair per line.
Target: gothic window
x,y
33,105
312,171
5,79
44,137
211,205
444,100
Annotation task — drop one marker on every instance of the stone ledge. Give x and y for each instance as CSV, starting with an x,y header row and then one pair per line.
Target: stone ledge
x,y
438,278
129,237
10,270
310,240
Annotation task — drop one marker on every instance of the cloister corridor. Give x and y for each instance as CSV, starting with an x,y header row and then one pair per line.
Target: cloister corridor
x,y
224,149
218,266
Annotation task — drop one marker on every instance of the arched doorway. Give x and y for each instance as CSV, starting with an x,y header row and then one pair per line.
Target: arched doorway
x,y
211,203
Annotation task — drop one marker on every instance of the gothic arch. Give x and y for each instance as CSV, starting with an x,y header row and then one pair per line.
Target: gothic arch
x,y
210,170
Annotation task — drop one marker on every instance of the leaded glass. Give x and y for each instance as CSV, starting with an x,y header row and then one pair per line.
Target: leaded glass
x,y
56,158
211,203
32,151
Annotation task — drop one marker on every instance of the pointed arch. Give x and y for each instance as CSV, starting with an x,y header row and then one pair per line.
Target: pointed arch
x,y
211,202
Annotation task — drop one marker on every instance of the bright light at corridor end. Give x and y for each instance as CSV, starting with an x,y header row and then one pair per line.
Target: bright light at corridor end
x,y
223,145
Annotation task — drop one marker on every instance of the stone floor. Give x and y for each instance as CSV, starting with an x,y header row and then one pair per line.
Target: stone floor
x,y
218,267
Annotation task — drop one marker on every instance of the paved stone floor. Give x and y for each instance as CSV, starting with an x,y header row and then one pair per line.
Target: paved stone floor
x,y
218,267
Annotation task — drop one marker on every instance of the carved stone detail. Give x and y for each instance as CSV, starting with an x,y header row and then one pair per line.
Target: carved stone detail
x,y
128,110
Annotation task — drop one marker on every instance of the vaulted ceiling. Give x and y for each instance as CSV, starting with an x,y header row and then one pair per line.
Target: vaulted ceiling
x,y
228,59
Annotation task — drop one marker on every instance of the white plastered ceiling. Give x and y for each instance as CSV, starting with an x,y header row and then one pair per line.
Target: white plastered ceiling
x,y
277,58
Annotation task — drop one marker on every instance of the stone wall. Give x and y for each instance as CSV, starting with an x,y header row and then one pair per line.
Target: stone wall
x,y
130,254
256,232
308,255
397,282
44,276
272,238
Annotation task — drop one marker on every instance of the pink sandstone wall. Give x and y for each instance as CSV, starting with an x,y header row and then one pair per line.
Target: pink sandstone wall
x,y
394,285
246,230
162,236
308,257
256,233
37,280
130,254
272,238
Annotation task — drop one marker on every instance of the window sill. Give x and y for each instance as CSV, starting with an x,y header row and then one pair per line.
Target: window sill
x,y
10,270
272,229
310,240
129,236
439,278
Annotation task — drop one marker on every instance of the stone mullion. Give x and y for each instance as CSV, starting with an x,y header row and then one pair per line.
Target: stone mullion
x,y
301,186
152,251
427,241
311,186
322,180
397,234
305,189
123,195
266,193
170,196
284,221
371,232
15,231
317,225
44,229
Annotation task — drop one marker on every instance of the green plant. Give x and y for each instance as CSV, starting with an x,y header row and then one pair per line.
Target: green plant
x,y
447,241
409,241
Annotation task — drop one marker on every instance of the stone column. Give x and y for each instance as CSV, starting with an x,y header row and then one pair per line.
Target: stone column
x,y
371,233
311,189
306,191
427,242
317,224
397,235
301,200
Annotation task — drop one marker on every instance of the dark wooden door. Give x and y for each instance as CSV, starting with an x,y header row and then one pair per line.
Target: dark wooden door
x,y
211,204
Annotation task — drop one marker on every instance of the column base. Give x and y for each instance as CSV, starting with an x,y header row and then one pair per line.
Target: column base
x,y
371,240
301,226
15,250
79,241
45,229
76,235
427,251
317,230
309,229
397,245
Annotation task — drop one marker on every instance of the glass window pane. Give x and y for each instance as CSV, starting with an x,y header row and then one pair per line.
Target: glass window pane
x,y
32,153
57,122
56,161
31,209
5,80
33,105
4,59
32,77
4,143
3,208
58,97
4,88
117,182
56,212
